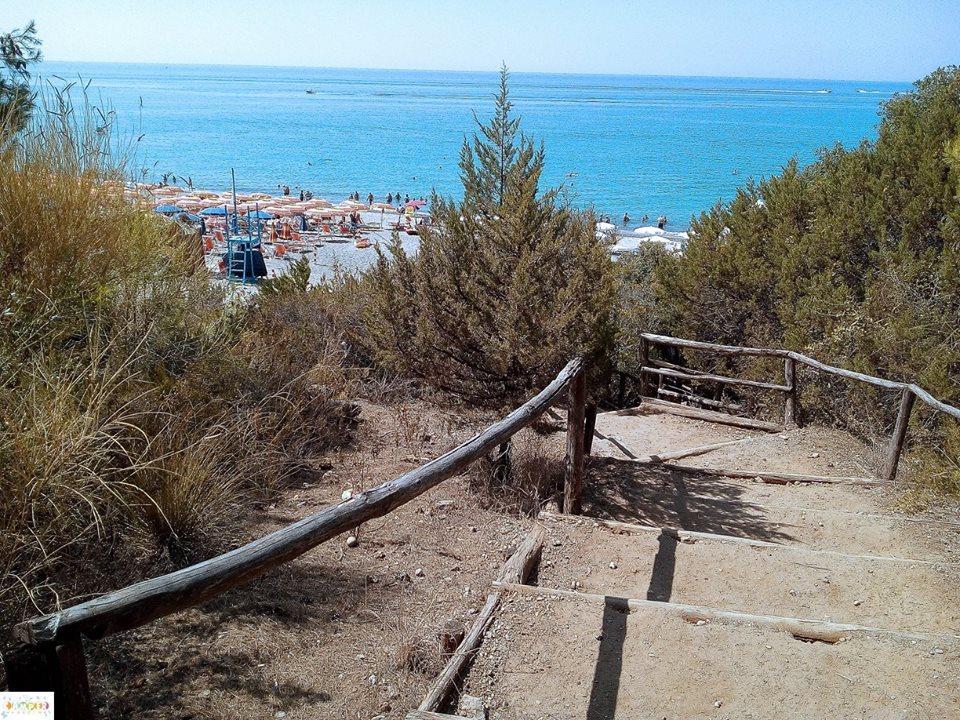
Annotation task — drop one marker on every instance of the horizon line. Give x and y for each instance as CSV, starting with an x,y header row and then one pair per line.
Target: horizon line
x,y
476,72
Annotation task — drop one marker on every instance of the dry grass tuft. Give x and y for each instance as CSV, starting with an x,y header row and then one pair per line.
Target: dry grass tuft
x,y
533,476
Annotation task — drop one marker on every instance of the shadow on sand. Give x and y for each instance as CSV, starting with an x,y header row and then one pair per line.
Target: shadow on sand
x,y
650,495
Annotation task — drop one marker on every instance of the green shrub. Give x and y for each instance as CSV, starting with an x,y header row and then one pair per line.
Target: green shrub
x,y
506,285
853,260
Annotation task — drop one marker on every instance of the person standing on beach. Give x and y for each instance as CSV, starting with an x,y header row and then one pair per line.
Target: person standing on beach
x,y
370,199
661,221
389,198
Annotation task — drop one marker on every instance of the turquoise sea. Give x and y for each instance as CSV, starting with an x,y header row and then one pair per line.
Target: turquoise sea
x,y
635,144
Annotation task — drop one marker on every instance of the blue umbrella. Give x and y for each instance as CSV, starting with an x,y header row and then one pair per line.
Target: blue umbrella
x,y
215,210
189,217
259,215
166,209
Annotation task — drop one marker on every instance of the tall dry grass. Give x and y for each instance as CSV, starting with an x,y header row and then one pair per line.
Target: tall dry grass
x,y
141,410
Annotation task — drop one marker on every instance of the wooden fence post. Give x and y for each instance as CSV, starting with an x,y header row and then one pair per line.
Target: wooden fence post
x,y
502,466
790,396
589,425
573,480
61,670
899,435
644,362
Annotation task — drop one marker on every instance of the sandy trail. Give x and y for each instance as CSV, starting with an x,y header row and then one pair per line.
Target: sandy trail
x,y
553,657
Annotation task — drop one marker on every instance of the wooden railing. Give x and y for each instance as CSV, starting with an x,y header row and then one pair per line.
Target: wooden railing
x,y
49,653
909,391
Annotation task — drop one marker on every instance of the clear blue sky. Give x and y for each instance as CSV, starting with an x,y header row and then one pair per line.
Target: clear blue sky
x,y
834,39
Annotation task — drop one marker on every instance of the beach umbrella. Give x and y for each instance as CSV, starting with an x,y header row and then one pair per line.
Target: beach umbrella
x,y
260,215
166,209
189,217
218,210
415,204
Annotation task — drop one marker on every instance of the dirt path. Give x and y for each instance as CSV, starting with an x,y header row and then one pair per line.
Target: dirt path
x,y
591,656
360,632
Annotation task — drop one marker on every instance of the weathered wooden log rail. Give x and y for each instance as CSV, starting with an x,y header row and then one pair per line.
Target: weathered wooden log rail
x,y
909,391
49,653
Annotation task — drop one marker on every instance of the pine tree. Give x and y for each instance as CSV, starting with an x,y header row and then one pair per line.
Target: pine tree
x,y
19,49
507,284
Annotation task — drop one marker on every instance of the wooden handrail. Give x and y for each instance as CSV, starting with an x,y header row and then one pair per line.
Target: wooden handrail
x,y
929,399
707,377
157,597
909,391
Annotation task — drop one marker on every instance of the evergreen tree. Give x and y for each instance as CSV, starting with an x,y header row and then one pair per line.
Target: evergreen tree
x,y
19,49
507,284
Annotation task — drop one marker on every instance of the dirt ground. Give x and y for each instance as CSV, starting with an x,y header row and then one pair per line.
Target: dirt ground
x,y
556,658
340,632
358,632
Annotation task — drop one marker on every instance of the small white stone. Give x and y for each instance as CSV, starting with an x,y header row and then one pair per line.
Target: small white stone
x,y
352,541
701,622
346,494
613,566
418,572
718,703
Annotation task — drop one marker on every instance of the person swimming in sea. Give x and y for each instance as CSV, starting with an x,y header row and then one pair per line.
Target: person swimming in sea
x,y
626,218
661,221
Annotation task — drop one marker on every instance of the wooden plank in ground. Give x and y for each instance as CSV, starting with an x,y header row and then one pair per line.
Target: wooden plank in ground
x,y
774,478
694,536
427,715
651,405
694,451
515,570
822,630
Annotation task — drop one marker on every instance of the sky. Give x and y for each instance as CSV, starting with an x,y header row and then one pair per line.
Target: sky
x,y
834,39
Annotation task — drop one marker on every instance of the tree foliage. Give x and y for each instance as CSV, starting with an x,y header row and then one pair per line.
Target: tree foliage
x,y
19,49
507,283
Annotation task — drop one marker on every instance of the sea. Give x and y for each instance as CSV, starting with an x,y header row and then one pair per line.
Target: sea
x,y
620,144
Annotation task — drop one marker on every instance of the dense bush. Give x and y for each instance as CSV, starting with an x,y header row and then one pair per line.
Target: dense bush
x,y
853,260
506,286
